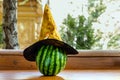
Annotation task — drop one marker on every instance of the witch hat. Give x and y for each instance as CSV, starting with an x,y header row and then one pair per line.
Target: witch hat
x,y
48,36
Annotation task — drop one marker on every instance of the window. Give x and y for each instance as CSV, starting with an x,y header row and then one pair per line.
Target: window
x,y
88,24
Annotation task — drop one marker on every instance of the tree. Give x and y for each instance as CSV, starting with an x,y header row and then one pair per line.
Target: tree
x,y
78,32
114,42
109,39
68,36
95,9
10,24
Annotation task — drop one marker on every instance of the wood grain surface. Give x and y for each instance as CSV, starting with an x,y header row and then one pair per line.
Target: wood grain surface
x,y
13,59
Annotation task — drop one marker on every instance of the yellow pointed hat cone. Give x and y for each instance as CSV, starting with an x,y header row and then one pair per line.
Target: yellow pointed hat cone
x,y
48,27
48,36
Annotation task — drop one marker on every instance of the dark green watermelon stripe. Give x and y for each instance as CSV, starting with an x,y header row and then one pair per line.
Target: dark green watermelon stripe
x,y
51,66
39,56
57,61
54,65
64,56
43,58
64,59
48,60
60,59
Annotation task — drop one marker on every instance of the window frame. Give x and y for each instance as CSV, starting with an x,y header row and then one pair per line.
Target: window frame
x,y
86,59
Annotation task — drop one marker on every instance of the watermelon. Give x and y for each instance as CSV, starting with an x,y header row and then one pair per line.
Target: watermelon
x,y
50,60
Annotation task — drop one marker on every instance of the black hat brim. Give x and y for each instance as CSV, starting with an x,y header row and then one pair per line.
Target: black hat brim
x,y
30,52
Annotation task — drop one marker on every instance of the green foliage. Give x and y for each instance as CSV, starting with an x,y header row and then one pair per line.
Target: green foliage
x,y
95,9
85,38
69,32
78,32
114,42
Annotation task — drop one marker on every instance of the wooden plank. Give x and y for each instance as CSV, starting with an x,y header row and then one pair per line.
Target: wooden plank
x,y
26,9
98,53
32,14
27,14
23,19
15,60
93,63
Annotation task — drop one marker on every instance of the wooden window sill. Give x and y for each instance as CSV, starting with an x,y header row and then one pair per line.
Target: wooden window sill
x,y
88,59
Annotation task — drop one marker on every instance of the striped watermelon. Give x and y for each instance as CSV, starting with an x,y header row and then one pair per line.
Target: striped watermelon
x,y
50,60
